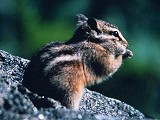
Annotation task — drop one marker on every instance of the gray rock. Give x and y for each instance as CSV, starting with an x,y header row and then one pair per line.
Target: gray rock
x,y
17,102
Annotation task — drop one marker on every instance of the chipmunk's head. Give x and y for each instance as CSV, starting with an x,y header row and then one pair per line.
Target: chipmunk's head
x,y
105,34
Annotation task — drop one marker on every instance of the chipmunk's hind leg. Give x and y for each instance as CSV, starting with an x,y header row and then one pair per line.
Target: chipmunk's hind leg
x,y
72,99
68,79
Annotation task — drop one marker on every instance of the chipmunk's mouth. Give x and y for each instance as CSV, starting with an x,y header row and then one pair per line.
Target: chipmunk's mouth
x,y
127,54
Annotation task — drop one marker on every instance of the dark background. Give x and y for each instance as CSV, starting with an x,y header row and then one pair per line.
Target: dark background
x,y
26,25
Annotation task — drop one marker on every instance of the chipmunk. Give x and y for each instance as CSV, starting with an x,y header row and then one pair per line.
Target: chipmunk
x,y
62,70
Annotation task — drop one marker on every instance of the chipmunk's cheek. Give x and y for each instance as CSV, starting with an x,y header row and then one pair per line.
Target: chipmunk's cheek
x,y
121,50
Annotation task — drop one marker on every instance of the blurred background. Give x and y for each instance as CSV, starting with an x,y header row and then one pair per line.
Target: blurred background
x,y
26,25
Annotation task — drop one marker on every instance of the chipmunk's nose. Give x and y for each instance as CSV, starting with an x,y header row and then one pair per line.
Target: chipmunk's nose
x,y
125,42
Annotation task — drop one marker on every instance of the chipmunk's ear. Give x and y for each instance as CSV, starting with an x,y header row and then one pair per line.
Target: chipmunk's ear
x,y
92,22
81,19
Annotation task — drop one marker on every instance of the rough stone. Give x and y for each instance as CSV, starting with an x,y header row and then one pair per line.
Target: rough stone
x,y
17,102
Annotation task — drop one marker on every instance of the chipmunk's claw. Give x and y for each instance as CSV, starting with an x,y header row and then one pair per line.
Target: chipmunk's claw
x,y
127,54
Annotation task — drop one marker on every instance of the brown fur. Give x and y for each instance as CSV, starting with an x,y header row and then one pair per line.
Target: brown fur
x,y
62,70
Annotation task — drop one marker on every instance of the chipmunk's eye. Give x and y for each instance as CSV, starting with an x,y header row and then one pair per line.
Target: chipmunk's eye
x,y
114,33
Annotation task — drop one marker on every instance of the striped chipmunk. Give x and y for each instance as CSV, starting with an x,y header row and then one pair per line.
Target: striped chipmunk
x,y
62,70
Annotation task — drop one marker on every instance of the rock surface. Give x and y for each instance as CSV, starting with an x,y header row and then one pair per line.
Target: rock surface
x,y
17,102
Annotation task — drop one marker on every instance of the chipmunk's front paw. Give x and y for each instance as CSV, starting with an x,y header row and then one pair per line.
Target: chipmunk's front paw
x,y
127,54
